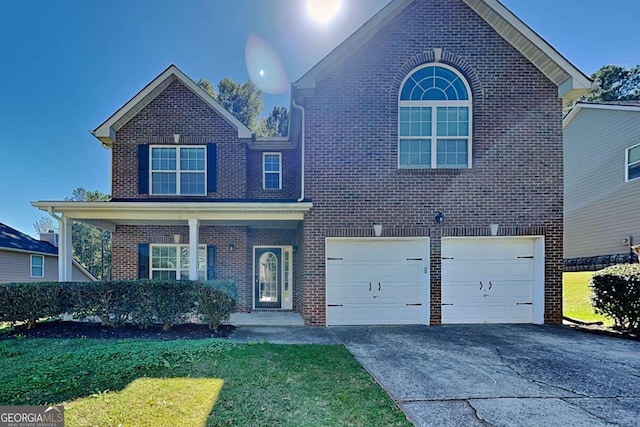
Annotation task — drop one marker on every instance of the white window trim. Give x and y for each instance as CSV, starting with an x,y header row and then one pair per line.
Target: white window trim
x,y
627,164
177,171
434,104
264,171
178,266
31,265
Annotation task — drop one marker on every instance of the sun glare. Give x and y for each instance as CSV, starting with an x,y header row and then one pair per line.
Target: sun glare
x,y
323,11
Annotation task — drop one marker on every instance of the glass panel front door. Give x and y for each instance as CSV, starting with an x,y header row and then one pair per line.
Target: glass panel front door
x,y
268,281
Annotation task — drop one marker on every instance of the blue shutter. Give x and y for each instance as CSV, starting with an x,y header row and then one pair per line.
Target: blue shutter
x,y
211,262
143,260
212,173
143,169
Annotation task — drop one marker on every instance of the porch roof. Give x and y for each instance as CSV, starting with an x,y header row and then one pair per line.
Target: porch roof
x,y
107,215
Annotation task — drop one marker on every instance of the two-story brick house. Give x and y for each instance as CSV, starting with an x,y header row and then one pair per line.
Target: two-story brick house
x,y
421,181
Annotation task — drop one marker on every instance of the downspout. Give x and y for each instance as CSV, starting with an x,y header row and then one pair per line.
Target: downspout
x,y
302,136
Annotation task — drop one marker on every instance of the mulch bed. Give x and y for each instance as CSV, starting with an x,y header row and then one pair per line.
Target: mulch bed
x,y
599,329
69,329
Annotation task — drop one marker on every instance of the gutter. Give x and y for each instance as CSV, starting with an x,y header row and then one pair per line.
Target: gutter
x,y
302,148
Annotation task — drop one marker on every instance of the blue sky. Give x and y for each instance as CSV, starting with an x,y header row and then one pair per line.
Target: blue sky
x,y
66,66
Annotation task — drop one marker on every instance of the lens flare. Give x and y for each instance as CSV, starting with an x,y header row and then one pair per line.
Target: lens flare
x,y
323,11
264,66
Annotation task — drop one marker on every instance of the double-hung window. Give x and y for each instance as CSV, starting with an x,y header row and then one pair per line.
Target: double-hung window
x,y
178,170
37,266
272,171
633,162
171,262
434,123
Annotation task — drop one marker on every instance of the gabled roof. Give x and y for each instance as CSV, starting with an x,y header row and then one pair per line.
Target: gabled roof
x,y
13,240
571,82
106,132
631,105
10,238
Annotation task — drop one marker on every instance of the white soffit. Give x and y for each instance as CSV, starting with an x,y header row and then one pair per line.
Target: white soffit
x,y
107,130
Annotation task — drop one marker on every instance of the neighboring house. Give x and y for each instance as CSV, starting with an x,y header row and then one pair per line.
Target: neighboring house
x,y
25,259
434,120
601,184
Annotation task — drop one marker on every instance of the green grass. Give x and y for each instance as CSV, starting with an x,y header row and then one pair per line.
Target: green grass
x,y
107,382
575,298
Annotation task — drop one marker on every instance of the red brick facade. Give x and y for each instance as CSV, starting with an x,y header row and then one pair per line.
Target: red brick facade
x,y
352,175
352,147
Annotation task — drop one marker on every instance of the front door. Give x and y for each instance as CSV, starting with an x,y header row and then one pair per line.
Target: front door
x,y
267,277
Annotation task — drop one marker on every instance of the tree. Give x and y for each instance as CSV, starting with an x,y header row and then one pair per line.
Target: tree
x,y
45,225
244,100
614,83
91,245
277,124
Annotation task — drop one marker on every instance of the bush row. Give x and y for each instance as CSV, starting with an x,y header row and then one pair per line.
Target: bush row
x,y
115,302
616,294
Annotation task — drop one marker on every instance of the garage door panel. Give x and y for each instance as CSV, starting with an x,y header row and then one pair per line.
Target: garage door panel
x,y
488,280
376,281
382,314
500,248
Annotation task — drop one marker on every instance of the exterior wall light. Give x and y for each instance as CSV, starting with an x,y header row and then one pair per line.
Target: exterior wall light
x,y
232,247
439,218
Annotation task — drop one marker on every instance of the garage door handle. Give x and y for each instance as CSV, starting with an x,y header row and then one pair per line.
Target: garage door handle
x,y
480,285
490,284
369,286
378,286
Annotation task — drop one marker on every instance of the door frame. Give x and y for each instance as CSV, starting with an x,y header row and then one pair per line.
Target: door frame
x,y
426,264
286,277
538,267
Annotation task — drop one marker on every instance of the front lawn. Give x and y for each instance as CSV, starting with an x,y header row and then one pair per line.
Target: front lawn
x,y
111,382
576,295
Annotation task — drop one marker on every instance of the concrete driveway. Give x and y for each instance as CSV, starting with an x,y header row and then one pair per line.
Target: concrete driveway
x,y
502,375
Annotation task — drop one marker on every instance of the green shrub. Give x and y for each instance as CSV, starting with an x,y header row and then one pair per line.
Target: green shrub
x,y
111,301
216,301
165,302
616,294
28,302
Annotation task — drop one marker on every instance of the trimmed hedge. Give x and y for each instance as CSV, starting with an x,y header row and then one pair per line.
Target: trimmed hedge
x,y
115,302
28,302
616,294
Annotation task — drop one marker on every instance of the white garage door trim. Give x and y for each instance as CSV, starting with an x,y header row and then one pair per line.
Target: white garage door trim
x,y
333,301
538,267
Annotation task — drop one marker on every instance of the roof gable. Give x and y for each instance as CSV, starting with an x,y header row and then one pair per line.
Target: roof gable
x,y
633,106
106,132
571,82
10,238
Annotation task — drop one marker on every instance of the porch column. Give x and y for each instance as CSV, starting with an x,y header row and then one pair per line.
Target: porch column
x,y
194,233
65,250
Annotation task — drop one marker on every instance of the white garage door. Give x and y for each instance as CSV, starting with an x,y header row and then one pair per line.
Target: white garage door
x,y
490,280
377,281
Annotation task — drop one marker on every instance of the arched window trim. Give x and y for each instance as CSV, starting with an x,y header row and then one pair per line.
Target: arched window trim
x,y
434,104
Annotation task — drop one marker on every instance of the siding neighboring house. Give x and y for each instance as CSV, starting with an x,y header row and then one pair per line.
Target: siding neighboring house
x,y
421,181
25,259
602,184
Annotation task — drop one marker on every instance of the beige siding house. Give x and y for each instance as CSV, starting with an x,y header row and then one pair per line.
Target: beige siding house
x,y
24,259
601,183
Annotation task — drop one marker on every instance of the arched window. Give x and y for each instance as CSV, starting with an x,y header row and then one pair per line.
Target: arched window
x,y
434,123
